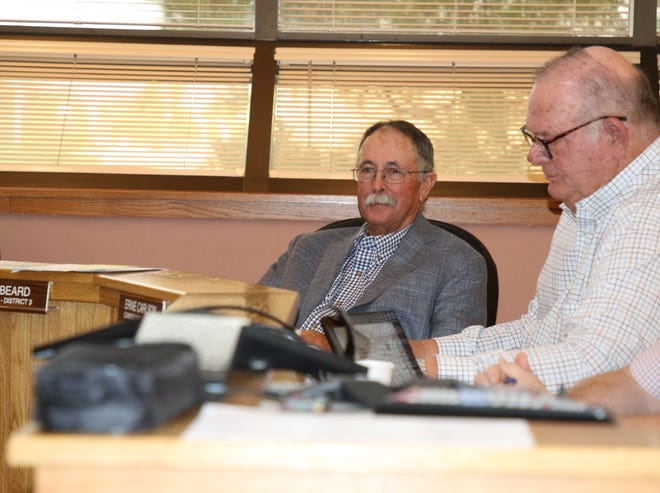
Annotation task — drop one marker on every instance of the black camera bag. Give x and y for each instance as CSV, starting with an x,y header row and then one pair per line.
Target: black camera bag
x,y
105,388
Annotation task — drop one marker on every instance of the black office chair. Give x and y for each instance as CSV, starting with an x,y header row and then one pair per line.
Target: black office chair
x,y
492,286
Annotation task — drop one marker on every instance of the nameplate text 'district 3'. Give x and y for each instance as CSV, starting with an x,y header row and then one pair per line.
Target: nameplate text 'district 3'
x,y
24,296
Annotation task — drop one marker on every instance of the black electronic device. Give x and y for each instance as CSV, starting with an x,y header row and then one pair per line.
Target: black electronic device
x,y
337,394
255,347
452,398
120,333
373,335
262,347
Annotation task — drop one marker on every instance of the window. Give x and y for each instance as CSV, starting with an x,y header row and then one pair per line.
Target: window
x,y
124,108
263,95
218,15
471,105
535,17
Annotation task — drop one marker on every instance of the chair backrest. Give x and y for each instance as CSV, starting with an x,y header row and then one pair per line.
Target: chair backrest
x,y
492,282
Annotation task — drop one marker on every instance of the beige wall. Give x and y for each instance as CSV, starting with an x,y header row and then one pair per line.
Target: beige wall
x,y
235,249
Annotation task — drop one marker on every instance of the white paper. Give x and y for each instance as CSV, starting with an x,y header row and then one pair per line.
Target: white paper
x,y
217,421
213,337
94,268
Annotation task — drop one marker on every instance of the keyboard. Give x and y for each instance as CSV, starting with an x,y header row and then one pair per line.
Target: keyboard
x,y
447,397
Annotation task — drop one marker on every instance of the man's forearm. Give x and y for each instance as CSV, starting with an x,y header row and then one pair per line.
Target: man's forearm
x,y
617,391
424,348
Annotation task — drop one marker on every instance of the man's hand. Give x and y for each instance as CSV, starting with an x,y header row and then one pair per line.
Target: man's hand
x,y
316,339
519,373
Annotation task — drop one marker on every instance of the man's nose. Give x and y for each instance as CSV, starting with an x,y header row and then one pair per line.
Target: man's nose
x,y
378,182
536,155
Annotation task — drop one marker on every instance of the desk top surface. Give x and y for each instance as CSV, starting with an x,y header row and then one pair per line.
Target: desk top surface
x,y
629,448
122,277
182,290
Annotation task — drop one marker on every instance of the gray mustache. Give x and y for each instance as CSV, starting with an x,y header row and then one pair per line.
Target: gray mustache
x,y
380,199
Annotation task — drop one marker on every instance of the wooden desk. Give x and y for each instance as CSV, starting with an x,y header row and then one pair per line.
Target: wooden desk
x,y
568,457
83,301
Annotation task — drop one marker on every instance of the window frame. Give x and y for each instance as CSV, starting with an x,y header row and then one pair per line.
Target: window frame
x,y
265,40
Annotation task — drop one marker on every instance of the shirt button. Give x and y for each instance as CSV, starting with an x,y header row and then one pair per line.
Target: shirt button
x,y
315,325
359,273
339,303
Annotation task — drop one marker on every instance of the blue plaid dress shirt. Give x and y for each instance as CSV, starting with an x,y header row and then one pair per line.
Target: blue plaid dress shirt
x,y
362,265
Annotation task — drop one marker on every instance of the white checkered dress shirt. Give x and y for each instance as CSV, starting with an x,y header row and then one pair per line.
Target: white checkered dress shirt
x,y
362,265
597,302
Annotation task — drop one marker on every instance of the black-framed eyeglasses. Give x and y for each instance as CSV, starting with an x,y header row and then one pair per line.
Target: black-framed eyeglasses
x,y
390,174
532,138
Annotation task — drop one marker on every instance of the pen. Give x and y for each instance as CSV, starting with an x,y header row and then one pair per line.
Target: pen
x,y
509,381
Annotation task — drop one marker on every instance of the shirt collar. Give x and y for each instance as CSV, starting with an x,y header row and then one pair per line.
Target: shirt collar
x,y
383,244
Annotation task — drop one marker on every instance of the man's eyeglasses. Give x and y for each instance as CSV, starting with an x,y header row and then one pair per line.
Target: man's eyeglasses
x,y
391,174
532,138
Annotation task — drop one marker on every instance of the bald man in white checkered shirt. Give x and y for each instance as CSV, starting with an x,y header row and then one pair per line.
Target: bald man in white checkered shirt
x,y
592,125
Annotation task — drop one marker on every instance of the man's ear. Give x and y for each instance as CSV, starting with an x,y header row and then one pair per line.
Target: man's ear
x,y
617,134
427,185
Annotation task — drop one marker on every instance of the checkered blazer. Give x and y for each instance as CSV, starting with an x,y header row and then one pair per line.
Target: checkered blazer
x,y
435,282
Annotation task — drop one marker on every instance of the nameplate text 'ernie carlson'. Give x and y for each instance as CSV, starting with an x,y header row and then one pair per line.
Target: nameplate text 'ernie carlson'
x,y
134,307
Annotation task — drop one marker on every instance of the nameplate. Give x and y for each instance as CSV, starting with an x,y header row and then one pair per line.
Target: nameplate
x,y
24,296
134,307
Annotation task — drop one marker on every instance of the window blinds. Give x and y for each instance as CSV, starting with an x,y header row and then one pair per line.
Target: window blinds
x,y
148,108
470,104
535,17
124,108
225,15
